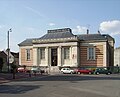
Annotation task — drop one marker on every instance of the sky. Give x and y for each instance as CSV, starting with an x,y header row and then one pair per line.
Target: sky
x,y
32,18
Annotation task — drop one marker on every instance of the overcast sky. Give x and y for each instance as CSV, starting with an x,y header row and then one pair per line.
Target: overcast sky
x,y
32,18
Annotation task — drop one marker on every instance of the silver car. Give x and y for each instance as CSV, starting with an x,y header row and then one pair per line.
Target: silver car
x,y
67,70
35,70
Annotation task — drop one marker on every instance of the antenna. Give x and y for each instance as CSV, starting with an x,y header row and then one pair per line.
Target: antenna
x,y
88,27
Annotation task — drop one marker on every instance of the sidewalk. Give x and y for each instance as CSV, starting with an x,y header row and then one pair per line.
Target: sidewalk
x,y
7,77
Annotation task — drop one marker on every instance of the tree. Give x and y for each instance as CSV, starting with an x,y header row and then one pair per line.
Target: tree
x,y
1,64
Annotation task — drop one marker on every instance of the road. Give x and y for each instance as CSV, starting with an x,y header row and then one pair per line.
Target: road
x,y
63,86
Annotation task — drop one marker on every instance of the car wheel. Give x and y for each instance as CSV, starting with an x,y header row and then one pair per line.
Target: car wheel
x,y
63,72
79,72
108,73
97,73
90,73
71,72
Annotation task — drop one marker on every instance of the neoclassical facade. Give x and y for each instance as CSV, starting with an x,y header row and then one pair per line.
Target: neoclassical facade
x,y
61,48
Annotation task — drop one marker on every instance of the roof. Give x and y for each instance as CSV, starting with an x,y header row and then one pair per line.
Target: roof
x,y
57,35
52,34
66,33
4,53
16,55
89,37
27,42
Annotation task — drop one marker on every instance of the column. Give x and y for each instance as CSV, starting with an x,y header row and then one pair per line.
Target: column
x,y
35,56
71,60
46,56
105,54
59,56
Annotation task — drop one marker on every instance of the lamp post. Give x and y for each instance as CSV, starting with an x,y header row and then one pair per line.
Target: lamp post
x,y
8,50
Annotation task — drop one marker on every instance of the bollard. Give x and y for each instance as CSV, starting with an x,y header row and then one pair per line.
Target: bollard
x,y
29,73
14,71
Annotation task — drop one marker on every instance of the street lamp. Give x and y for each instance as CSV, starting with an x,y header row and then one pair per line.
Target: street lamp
x,y
8,50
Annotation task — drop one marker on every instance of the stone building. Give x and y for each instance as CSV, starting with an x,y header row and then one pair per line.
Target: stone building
x,y
117,56
61,48
13,59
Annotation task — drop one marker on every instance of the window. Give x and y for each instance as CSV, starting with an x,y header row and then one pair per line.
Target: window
x,y
66,53
91,53
42,53
28,54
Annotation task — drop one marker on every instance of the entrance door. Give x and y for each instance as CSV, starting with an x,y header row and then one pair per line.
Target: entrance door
x,y
54,57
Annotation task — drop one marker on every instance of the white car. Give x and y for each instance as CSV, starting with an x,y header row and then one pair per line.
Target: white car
x,y
67,70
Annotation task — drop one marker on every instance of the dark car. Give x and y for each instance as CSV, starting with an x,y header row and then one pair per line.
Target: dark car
x,y
102,71
84,71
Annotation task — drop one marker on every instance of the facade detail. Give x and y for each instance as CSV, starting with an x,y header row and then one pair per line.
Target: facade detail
x,y
61,48
117,56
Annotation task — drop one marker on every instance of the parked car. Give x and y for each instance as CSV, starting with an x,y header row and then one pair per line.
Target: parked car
x,y
22,69
84,71
67,70
102,71
35,70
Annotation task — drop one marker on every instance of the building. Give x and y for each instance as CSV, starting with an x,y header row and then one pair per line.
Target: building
x,y
117,56
13,59
61,48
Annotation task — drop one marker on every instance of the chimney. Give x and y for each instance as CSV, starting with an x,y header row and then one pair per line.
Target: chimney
x,y
98,32
87,31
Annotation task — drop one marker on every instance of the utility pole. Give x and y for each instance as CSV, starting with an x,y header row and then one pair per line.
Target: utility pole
x,y
8,50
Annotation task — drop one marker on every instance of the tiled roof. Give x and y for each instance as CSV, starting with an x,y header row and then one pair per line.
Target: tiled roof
x,y
57,35
27,42
88,37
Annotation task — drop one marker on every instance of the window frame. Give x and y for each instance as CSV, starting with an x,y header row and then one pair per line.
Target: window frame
x,y
91,53
28,54
66,53
42,53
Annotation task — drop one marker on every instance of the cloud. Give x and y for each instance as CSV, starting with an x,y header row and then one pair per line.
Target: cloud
x,y
80,29
111,27
51,24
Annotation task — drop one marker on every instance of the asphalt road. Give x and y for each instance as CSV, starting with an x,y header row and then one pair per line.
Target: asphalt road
x,y
63,86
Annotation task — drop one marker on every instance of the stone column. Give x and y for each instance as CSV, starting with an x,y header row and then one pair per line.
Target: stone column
x,y
35,53
71,60
59,56
46,56
105,54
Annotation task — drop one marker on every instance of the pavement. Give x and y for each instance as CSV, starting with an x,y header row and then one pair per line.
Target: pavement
x,y
7,77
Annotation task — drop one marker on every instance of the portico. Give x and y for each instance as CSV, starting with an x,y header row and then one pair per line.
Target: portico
x,y
56,55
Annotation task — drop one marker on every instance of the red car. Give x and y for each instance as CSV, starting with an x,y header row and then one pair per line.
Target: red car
x,y
21,69
84,71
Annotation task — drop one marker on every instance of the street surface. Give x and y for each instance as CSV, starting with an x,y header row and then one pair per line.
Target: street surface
x,y
67,85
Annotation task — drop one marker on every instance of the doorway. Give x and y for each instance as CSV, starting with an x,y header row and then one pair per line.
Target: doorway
x,y
54,57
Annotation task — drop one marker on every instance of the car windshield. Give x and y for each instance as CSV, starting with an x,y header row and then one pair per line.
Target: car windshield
x,y
35,68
